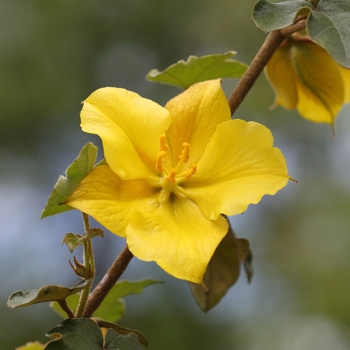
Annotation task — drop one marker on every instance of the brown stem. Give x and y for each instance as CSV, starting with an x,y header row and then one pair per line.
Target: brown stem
x,y
272,42
64,306
108,281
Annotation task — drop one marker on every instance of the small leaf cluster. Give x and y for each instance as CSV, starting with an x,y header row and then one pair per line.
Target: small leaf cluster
x,y
86,334
327,22
82,333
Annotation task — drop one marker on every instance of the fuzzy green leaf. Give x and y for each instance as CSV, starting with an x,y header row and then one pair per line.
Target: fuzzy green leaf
x,y
270,17
329,26
115,341
73,240
197,69
112,308
85,334
223,271
75,334
122,331
46,293
65,186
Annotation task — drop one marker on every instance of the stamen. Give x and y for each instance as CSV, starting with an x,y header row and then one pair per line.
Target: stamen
x,y
162,152
162,143
159,164
185,154
188,173
176,173
191,171
172,175
171,151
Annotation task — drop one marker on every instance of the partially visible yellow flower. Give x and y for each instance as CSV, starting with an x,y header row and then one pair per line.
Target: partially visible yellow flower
x,y
173,171
306,77
32,346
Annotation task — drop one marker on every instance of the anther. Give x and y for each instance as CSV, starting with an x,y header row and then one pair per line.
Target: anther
x,y
185,154
191,171
162,143
162,152
159,164
171,177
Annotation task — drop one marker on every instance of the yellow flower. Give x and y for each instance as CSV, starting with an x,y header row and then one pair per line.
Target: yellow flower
x,y
306,77
173,171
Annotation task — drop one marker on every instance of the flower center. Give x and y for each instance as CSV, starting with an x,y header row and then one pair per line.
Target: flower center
x,y
173,172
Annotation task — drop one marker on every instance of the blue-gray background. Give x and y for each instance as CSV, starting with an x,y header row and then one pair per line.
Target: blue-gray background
x,y
53,54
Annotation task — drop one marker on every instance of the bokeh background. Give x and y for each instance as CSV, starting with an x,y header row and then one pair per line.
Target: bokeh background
x,y
53,54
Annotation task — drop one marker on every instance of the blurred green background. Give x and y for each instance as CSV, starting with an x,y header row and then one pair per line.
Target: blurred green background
x,y
53,54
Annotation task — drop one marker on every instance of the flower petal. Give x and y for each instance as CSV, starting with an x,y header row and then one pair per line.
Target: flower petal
x,y
319,82
129,126
279,72
110,200
177,237
346,80
194,116
238,167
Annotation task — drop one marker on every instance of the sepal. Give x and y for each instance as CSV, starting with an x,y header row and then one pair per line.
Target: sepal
x,y
223,271
80,269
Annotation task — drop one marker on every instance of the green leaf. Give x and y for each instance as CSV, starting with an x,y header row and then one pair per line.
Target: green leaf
x,y
46,293
197,69
329,26
122,330
74,240
32,346
270,17
223,271
86,334
113,308
65,186
115,341
75,334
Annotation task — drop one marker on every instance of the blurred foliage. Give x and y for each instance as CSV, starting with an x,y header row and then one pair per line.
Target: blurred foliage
x,y
53,54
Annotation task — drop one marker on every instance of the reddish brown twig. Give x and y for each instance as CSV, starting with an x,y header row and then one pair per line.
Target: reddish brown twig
x,y
272,42
108,281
